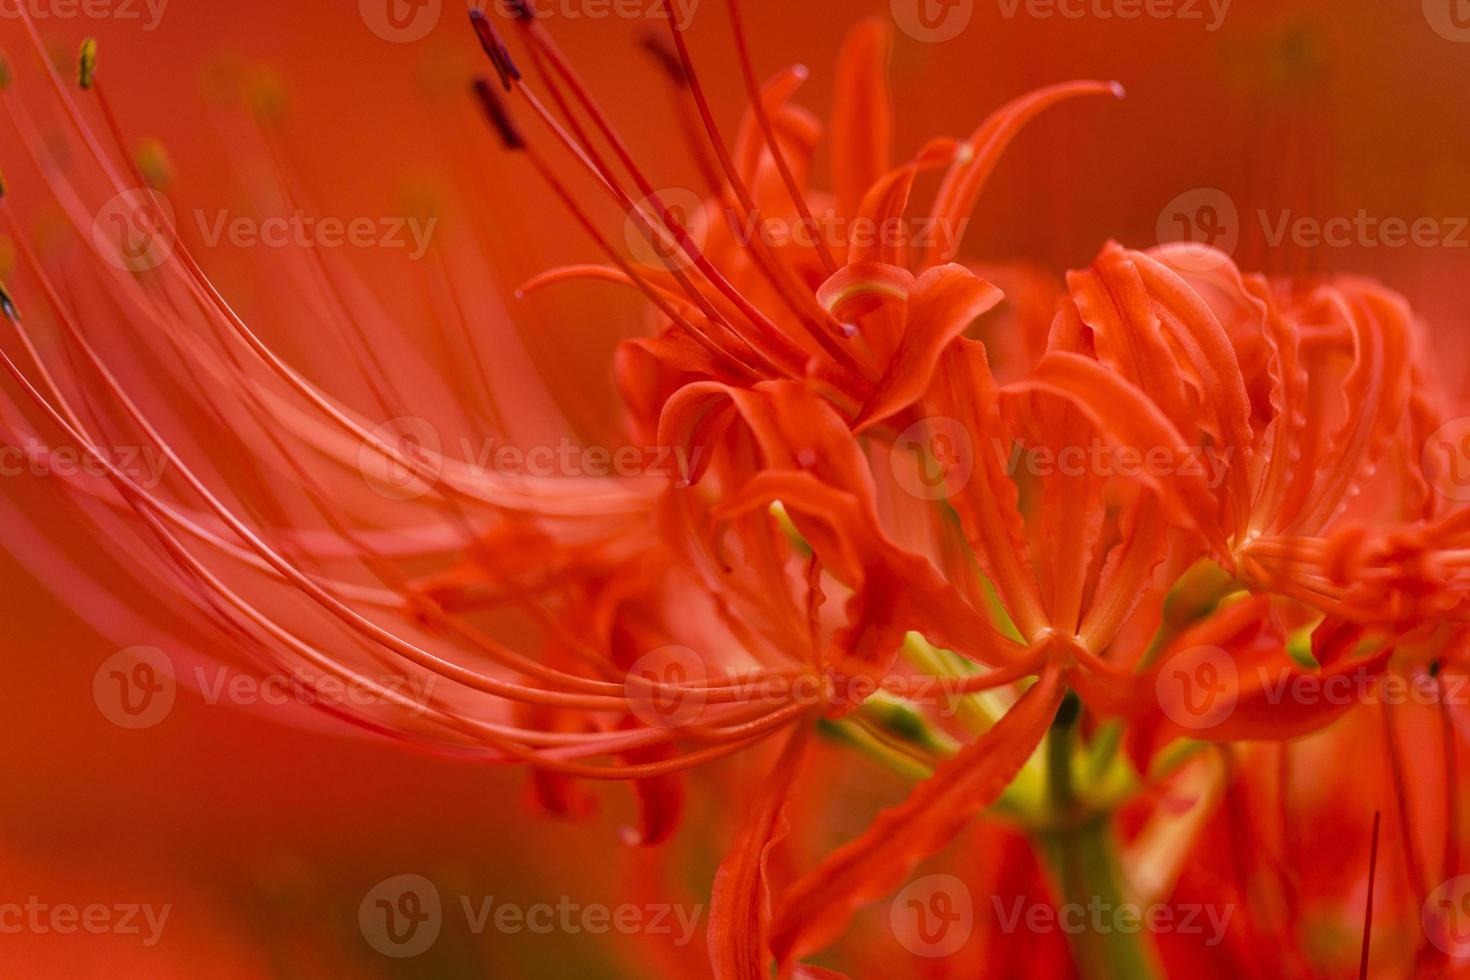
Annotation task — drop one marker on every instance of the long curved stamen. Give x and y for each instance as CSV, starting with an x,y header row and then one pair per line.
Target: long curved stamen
x,y
757,106
769,333
496,113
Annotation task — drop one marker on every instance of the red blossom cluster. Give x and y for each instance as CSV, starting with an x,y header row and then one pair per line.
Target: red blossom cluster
x,y
1105,661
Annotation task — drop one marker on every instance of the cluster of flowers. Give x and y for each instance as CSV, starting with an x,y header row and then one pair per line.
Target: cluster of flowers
x,y
1111,644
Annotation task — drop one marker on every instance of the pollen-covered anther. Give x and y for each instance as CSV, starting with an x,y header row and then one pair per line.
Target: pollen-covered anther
x,y
494,48
87,64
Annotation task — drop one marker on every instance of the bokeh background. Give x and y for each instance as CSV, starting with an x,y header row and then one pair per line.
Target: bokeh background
x,y
264,828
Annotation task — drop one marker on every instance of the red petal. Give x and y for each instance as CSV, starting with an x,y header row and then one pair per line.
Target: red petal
x,y
854,290
1203,341
660,799
942,304
965,180
894,590
862,120
817,907
1127,417
740,906
1376,393
989,505
1112,300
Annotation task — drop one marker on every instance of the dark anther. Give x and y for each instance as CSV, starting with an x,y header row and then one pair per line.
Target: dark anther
x,y
7,305
494,48
499,116
664,53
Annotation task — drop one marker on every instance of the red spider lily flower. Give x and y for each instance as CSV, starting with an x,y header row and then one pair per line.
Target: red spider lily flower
x,y
1023,583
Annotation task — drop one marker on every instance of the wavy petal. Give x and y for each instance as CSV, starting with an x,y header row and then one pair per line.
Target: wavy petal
x,y
740,905
1376,392
1129,418
989,505
943,303
1198,333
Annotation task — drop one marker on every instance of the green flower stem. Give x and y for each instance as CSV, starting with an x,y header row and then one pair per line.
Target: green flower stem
x,y
1064,793
1070,821
1080,848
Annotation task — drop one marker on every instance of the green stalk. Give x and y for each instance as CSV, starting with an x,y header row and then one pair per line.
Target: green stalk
x,y
1079,846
